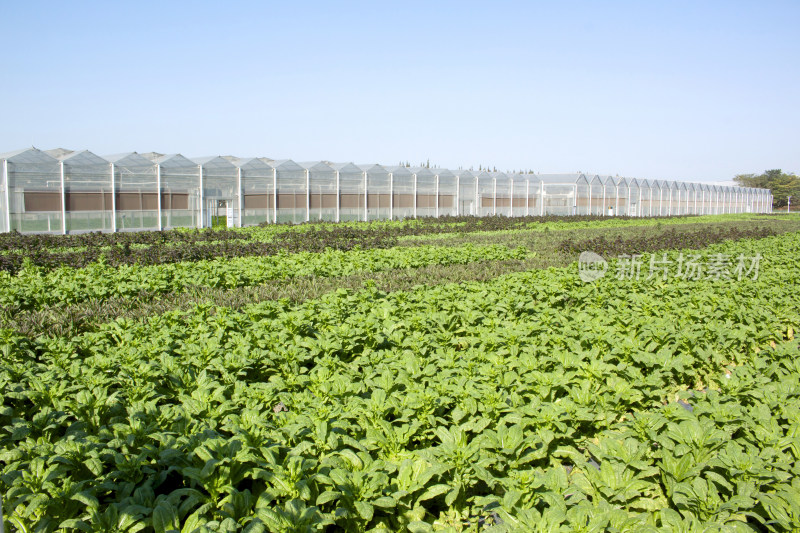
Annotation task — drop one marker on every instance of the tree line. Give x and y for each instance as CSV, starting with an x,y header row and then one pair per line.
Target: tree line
x,y
781,184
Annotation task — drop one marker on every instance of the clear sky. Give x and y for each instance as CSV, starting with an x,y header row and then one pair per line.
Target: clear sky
x,y
696,90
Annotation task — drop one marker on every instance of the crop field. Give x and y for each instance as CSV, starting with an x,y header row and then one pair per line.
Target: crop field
x,y
452,374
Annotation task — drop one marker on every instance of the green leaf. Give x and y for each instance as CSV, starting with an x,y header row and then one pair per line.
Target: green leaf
x,y
365,510
433,491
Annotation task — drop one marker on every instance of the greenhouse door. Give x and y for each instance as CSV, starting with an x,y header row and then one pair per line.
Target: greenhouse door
x,y
220,212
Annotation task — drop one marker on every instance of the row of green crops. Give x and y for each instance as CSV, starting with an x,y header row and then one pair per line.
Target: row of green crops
x,y
531,402
33,287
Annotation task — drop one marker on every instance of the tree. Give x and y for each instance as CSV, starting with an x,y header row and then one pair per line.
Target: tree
x,y
778,182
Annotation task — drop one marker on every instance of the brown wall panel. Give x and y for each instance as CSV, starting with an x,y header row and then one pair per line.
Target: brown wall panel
x,y
291,201
149,201
378,200
403,200
174,201
503,202
325,201
447,200
42,201
98,201
88,201
519,202
129,201
259,201
426,200
352,201
486,201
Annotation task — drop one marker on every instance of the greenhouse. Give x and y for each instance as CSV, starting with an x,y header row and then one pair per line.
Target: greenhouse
x,y
65,191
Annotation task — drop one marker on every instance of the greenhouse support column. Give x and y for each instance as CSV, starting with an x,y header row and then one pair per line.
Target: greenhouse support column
x,y
158,198
274,195
458,195
660,199
541,198
366,198
616,201
415,196
527,197
113,198
7,214
436,193
575,199
477,197
590,199
338,196
201,222
239,196
391,196
494,196
511,199
63,199
308,195
628,205
603,207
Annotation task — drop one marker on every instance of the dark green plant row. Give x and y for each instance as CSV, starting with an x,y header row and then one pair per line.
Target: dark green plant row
x,y
38,288
177,251
545,252
667,240
531,402
16,241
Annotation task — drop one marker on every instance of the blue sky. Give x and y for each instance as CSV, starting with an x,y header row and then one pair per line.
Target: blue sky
x,y
680,90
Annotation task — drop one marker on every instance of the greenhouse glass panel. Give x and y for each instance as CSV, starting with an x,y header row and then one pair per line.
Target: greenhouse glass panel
x,y
485,188
684,198
691,198
659,201
135,187
467,193
583,195
502,193
596,195
379,191
703,199
646,192
324,196
426,191
353,189
403,190
180,184
676,196
621,200
728,199
87,190
559,196
256,194
634,198
220,195
31,194
446,192
720,200
534,206
609,195
519,192
678,201
713,201
292,197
